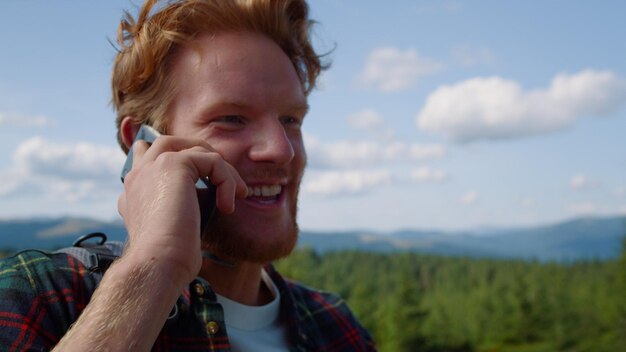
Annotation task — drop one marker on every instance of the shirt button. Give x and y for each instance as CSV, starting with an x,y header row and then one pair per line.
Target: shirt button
x,y
212,327
199,289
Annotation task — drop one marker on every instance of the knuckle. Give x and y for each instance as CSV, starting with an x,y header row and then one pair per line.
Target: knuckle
x,y
165,158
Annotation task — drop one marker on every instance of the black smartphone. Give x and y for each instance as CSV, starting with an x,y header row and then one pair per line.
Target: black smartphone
x,y
204,188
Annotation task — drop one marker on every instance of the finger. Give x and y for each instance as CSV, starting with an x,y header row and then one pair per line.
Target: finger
x,y
165,144
241,189
121,205
139,150
236,189
222,175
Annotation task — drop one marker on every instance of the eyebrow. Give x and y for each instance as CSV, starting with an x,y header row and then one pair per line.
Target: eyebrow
x,y
298,107
303,108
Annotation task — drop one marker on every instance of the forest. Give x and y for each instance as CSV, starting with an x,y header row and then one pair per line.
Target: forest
x,y
415,302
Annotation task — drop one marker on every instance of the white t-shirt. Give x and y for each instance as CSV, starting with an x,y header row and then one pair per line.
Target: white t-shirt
x,y
255,328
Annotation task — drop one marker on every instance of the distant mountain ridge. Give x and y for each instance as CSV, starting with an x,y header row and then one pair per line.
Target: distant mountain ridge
x,y
582,238
43,233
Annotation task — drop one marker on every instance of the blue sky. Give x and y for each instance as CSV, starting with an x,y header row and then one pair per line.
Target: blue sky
x,y
434,114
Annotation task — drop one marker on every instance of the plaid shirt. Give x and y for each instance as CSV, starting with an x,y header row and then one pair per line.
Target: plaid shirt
x,y
42,294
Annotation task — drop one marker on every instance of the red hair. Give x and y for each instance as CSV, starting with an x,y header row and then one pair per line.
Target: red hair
x,y
140,81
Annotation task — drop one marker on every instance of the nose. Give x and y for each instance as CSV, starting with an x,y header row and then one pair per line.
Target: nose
x,y
272,144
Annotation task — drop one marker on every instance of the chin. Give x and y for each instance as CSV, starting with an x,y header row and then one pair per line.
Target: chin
x,y
229,242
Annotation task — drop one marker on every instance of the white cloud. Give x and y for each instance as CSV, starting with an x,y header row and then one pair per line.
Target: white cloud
x,y
345,182
353,167
496,108
620,191
10,181
350,154
391,70
371,121
18,120
426,174
77,161
468,55
469,198
585,208
68,172
366,119
579,181
427,151
527,202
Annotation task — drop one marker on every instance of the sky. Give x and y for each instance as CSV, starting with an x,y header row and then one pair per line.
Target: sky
x,y
449,115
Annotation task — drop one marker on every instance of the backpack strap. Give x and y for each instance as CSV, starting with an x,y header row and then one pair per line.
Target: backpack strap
x,y
97,257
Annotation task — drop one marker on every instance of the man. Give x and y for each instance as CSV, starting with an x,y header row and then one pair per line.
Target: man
x,y
226,82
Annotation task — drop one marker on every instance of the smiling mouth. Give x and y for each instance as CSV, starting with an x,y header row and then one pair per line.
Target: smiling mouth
x,y
264,192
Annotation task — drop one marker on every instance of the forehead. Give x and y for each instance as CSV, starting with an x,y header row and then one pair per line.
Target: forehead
x,y
236,66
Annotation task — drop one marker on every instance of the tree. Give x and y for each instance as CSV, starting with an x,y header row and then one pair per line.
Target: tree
x,y
403,315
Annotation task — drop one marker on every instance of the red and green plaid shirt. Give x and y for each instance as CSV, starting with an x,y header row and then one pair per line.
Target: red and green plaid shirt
x,y
42,294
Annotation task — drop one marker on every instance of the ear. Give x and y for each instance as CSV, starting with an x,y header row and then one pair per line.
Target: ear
x,y
128,131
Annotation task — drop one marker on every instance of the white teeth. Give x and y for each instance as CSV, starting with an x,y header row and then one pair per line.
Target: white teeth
x,y
265,190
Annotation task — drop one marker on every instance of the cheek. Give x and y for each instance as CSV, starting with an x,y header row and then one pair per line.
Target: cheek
x,y
231,152
300,156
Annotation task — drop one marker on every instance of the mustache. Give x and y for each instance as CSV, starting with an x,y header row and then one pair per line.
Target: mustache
x,y
267,172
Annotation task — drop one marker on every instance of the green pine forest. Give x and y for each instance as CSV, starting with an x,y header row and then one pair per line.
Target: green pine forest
x,y
415,302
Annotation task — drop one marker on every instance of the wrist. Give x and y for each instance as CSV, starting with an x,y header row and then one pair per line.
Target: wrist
x,y
169,267
132,303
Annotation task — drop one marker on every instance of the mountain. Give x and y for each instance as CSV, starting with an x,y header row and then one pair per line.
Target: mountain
x,y
45,233
582,238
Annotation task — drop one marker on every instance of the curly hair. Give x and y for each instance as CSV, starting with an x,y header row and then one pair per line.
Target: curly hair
x,y
148,45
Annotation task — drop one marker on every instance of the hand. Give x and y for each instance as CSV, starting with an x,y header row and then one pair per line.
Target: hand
x,y
160,206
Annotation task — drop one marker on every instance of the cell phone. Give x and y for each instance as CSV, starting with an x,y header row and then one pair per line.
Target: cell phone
x,y
204,188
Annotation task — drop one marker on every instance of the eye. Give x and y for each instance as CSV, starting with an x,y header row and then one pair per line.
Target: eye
x,y
291,120
235,119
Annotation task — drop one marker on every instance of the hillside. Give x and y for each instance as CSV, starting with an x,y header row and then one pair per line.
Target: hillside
x,y
583,238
